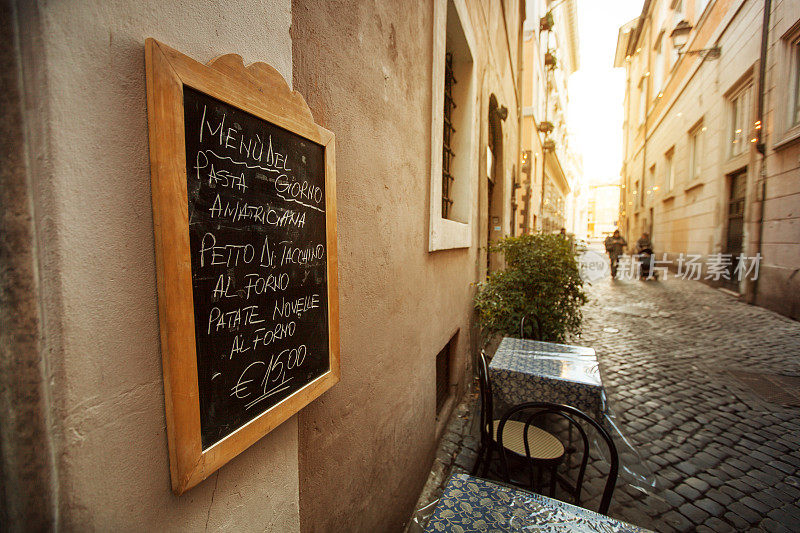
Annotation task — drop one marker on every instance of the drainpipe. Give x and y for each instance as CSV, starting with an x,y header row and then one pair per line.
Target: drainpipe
x,y
761,145
642,195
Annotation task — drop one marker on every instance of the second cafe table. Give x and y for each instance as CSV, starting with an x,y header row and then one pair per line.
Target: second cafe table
x,y
527,371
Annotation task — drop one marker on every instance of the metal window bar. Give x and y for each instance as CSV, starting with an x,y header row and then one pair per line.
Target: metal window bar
x,y
449,130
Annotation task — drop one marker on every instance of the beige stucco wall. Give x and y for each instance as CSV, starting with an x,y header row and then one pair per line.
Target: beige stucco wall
x,y
84,85
366,446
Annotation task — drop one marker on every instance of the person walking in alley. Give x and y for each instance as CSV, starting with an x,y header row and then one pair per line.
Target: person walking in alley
x,y
614,246
644,251
644,244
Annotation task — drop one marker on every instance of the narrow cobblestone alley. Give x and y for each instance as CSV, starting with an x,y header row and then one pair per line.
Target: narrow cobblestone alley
x,y
684,366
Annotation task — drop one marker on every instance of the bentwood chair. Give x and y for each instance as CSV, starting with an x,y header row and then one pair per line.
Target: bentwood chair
x,y
536,330
540,446
530,412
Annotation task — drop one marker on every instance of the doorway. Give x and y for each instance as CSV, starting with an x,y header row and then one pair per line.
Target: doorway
x,y
737,185
494,173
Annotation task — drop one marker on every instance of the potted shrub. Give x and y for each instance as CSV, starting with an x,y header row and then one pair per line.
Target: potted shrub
x,y
541,279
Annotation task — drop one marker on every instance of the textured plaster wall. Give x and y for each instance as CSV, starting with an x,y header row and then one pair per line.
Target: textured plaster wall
x,y
84,81
366,446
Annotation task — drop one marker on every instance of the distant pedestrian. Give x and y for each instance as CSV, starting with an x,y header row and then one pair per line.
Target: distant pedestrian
x,y
615,244
644,251
644,245
563,232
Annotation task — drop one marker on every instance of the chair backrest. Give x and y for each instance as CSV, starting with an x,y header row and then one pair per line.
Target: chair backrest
x,y
537,330
532,411
487,407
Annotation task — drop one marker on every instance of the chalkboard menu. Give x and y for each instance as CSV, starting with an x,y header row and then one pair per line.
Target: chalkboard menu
x,y
256,196
244,212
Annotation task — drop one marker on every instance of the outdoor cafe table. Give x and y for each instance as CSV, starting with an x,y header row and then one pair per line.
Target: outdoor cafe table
x,y
474,504
528,371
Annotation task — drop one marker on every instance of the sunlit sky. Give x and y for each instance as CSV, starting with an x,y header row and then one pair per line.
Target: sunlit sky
x,y
597,90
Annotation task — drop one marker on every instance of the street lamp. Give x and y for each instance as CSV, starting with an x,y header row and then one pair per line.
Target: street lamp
x,y
680,36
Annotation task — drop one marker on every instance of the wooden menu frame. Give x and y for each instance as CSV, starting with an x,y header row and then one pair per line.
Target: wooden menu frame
x,y
261,91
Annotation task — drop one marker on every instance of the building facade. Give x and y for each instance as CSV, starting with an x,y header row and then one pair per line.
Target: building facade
x,y
551,169
710,163
84,444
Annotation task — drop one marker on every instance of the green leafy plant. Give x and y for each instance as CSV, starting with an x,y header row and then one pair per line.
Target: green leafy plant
x,y
541,279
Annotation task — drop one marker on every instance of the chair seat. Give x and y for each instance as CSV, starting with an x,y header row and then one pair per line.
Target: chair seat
x,y
543,444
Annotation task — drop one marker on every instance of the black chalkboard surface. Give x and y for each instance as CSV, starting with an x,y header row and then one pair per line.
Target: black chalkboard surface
x,y
256,200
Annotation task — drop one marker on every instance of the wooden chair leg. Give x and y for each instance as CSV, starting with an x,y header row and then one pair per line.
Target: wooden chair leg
x,y
553,473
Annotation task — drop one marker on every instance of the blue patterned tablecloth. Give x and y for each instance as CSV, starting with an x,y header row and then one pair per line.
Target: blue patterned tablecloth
x,y
528,371
474,504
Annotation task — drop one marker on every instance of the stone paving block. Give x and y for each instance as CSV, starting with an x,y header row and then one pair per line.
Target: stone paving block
x,y
687,492
772,526
786,518
779,494
673,498
697,484
710,506
759,480
687,468
786,468
718,526
737,521
678,522
751,516
693,513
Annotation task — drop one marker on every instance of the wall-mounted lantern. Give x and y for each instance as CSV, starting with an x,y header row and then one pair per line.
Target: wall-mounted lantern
x,y
680,36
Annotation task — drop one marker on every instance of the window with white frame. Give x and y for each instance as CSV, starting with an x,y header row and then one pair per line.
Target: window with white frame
x,y
454,155
696,150
739,107
787,93
669,170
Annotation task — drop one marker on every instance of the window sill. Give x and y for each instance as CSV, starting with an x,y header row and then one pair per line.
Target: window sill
x,y
692,186
446,234
669,197
792,136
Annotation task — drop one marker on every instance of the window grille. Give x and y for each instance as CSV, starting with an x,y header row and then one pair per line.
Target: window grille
x,y
442,376
449,130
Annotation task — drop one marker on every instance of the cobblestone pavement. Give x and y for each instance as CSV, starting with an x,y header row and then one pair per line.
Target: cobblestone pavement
x,y
724,456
